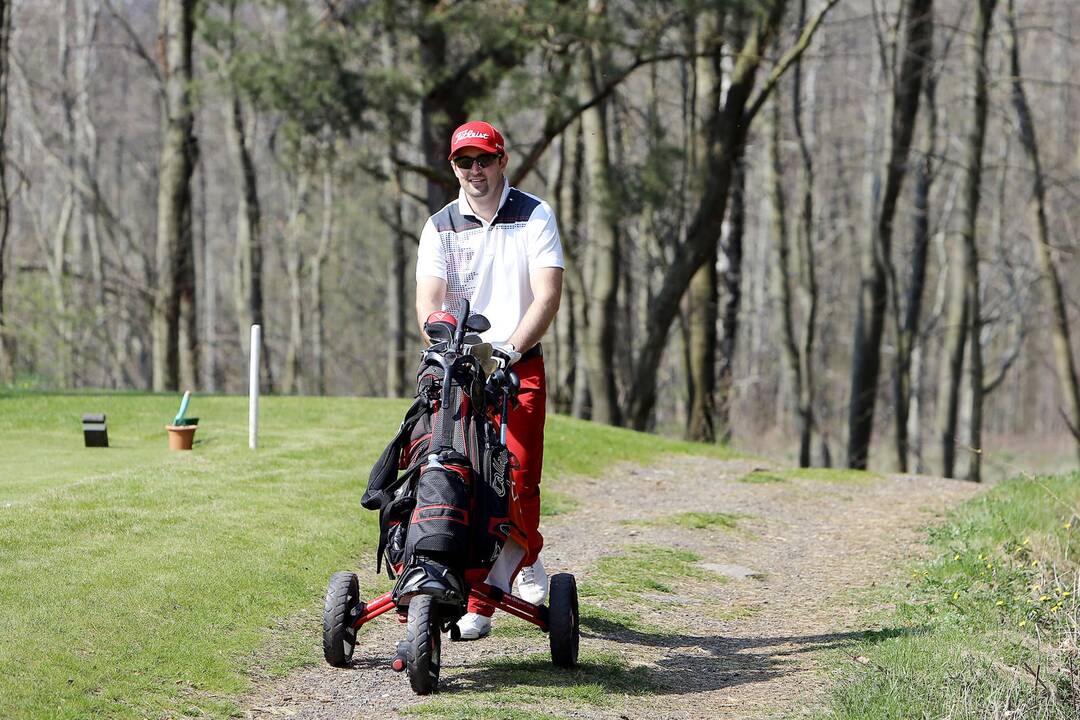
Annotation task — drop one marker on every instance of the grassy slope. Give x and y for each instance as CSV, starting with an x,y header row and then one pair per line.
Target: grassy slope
x,y
988,626
136,582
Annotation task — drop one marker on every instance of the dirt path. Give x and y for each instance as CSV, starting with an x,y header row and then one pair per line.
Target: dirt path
x,y
748,645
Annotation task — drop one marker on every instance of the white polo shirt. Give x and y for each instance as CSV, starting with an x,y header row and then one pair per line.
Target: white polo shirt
x,y
489,263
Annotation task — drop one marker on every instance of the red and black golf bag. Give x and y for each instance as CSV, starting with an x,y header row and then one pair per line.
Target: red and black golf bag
x,y
443,485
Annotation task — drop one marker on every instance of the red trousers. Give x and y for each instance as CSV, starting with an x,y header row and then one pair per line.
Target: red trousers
x,y
525,440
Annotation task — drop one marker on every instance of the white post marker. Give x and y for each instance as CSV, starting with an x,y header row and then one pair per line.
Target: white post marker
x,y
253,388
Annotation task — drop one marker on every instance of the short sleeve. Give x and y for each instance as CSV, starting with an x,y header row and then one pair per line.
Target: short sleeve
x,y
430,261
545,247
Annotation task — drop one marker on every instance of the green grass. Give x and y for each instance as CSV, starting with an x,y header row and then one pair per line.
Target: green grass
x,y
644,569
993,609
578,447
839,476
501,686
136,582
760,477
693,521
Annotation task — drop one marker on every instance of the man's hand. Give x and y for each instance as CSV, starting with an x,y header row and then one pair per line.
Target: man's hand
x,y
506,353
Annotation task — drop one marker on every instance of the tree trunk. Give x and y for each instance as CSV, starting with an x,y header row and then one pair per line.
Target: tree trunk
x,y
326,232
603,233
397,317
174,269
248,298
562,361
731,248
908,334
701,352
805,264
877,250
292,380
209,304
703,293
781,261
965,292
7,360
952,365
1063,356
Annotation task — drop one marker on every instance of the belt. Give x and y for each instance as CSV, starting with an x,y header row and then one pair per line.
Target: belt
x,y
534,352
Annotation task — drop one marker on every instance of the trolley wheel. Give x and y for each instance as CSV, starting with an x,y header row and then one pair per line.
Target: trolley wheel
x,y
563,622
340,610
423,641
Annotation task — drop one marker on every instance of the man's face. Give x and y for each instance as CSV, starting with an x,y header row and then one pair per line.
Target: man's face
x,y
476,180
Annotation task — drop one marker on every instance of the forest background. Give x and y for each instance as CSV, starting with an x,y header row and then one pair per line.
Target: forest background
x,y
848,228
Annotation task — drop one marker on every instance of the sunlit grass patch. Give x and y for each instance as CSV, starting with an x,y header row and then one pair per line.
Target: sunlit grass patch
x,y
573,446
508,626
760,477
732,612
553,502
451,708
607,622
645,569
832,475
997,612
827,475
694,520
503,684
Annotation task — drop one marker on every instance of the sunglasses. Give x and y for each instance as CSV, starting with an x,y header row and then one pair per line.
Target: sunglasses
x,y
485,160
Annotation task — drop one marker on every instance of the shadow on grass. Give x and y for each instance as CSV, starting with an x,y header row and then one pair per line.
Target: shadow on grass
x,y
692,663
697,663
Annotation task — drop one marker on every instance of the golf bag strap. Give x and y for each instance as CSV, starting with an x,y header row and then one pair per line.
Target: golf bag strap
x,y
383,479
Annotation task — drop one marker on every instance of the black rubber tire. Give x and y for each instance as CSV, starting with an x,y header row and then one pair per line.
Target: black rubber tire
x,y
423,640
339,612
564,631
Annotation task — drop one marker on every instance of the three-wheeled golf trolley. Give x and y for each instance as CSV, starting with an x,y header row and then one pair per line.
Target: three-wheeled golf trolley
x,y
443,490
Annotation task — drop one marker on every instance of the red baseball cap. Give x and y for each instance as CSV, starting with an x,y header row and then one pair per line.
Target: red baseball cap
x,y
476,134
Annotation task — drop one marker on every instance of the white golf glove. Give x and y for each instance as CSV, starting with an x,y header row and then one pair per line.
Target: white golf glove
x,y
505,352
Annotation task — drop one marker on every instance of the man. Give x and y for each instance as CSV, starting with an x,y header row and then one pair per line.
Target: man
x,y
499,248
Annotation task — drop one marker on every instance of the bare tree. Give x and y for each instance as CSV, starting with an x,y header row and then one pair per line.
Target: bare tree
x,y
702,296
603,234
7,364
877,247
964,322
318,263
1040,239
734,109
174,294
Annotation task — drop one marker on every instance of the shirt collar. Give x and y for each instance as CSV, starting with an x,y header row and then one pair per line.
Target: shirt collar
x,y
463,201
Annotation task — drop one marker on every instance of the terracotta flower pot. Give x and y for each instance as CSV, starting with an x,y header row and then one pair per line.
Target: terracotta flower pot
x,y
181,436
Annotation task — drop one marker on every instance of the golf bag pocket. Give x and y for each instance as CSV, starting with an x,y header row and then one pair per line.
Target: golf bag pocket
x,y
393,527
439,525
491,505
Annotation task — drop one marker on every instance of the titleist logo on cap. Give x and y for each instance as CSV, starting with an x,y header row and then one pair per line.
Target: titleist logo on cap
x,y
470,134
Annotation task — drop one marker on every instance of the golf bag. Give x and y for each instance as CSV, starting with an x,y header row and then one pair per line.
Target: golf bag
x,y
442,486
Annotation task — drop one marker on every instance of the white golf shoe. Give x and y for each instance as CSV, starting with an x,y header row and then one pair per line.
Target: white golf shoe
x,y
532,583
473,626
